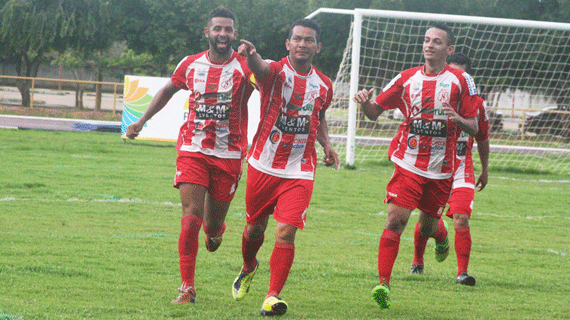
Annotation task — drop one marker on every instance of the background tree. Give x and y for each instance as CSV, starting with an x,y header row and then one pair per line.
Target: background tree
x,y
31,29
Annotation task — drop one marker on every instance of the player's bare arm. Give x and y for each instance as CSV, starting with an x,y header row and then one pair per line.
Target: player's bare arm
x,y
468,125
331,158
158,102
258,66
370,108
483,149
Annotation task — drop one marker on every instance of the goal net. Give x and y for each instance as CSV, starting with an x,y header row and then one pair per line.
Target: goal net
x,y
521,68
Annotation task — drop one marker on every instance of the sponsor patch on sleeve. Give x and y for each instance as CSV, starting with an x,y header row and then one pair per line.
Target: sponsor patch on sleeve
x,y
470,84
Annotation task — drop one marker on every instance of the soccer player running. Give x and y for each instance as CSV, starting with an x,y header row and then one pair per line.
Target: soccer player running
x,y
282,159
463,190
212,143
438,102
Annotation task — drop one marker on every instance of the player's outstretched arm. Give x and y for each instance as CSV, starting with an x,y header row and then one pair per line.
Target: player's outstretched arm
x,y
370,108
157,103
483,149
258,66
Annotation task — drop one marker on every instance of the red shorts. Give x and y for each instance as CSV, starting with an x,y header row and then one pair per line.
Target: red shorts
x,y
461,201
287,199
411,191
219,176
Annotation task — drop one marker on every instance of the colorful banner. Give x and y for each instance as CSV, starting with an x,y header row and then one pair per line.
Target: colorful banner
x,y
165,125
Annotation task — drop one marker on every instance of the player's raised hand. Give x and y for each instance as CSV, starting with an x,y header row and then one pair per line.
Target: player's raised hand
x,y
363,95
452,114
246,48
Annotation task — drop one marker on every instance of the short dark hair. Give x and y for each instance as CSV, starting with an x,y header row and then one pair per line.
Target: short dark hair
x,y
450,35
461,59
309,23
221,13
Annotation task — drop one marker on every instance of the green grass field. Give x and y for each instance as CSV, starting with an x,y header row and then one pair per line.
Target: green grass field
x,y
89,229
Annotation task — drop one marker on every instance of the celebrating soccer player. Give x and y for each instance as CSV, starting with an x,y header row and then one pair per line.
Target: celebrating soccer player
x,y
463,192
282,159
438,102
212,143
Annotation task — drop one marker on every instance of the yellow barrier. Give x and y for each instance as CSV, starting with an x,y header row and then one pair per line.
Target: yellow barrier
x,y
114,84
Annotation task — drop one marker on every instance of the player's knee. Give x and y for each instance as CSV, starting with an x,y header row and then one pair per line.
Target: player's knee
x,y
460,220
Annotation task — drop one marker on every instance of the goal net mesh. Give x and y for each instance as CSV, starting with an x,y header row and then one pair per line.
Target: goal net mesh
x,y
522,72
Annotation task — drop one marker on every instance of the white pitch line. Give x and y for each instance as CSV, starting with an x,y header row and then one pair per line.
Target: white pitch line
x,y
166,203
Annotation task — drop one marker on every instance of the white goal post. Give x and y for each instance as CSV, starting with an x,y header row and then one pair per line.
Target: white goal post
x,y
521,67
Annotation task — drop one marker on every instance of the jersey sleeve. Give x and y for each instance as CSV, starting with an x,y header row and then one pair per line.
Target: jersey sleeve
x,y
179,75
469,97
483,133
390,97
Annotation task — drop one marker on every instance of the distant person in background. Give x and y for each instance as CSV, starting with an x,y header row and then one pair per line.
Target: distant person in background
x,y
282,159
438,102
212,143
463,190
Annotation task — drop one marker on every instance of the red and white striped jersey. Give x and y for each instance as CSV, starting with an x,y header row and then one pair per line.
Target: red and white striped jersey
x,y
426,140
217,107
464,176
291,104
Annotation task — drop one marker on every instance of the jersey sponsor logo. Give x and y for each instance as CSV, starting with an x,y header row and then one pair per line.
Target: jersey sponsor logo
x,y
443,96
413,142
426,127
470,84
201,72
461,148
293,124
198,80
435,112
438,145
226,82
275,137
219,111
307,107
213,87
222,127
311,95
213,95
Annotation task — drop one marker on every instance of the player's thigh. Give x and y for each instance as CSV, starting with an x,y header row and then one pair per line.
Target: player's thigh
x,y
404,189
224,178
261,195
461,202
435,196
192,198
293,202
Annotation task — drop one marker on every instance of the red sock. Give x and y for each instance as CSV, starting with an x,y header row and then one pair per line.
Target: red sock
x,y
420,243
188,247
280,265
387,253
249,249
462,248
215,233
441,232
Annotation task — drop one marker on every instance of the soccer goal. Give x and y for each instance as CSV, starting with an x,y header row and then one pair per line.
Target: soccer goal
x,y
522,70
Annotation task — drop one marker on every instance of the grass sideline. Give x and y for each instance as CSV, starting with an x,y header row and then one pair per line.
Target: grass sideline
x,y
90,227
